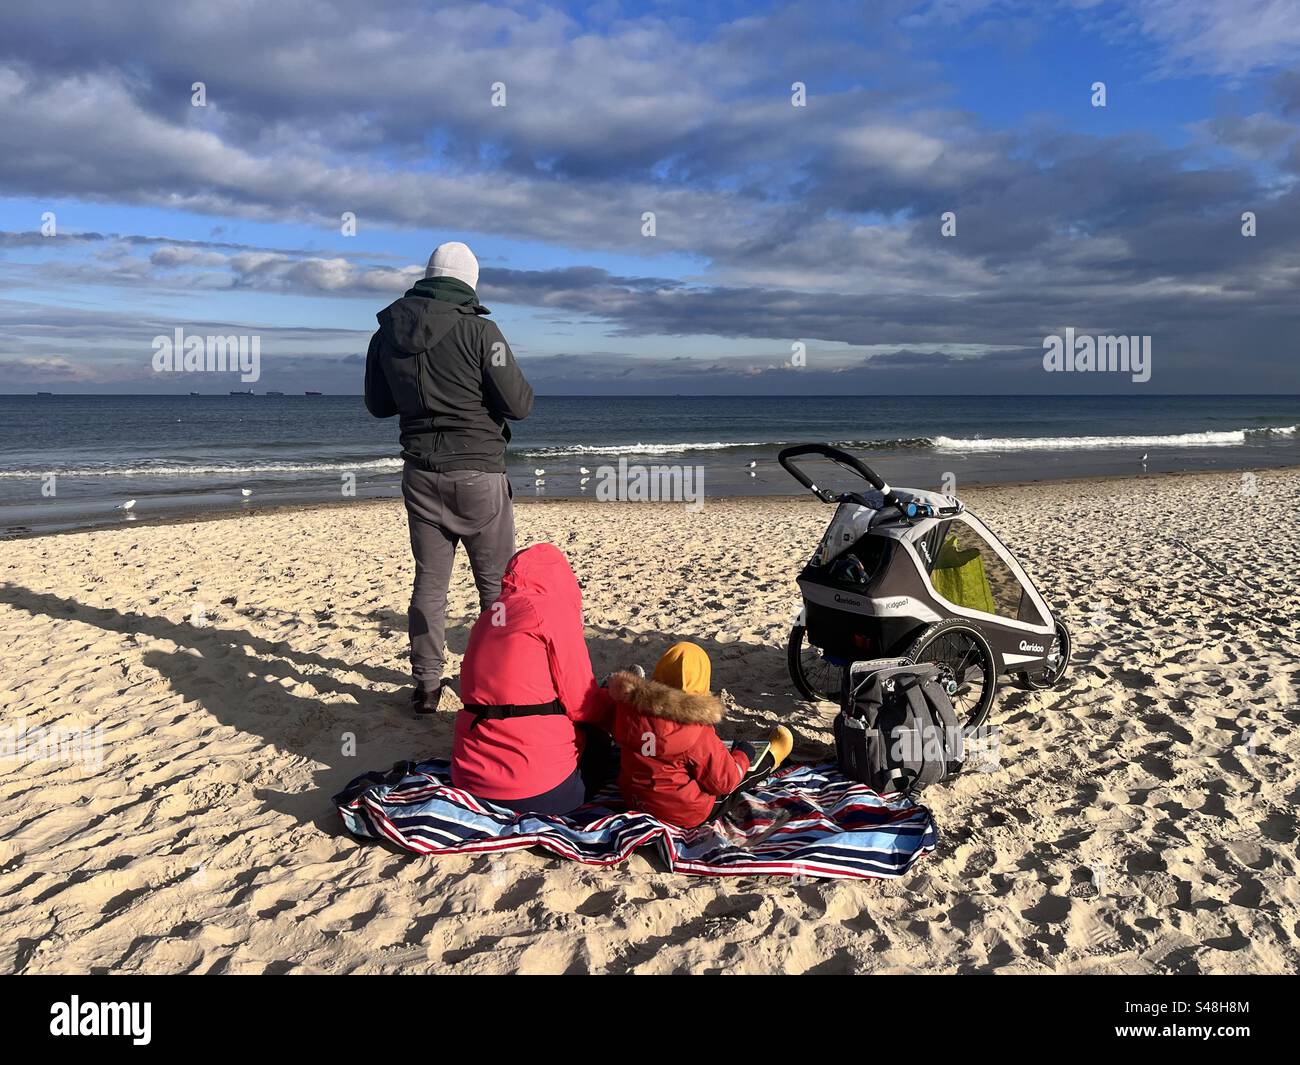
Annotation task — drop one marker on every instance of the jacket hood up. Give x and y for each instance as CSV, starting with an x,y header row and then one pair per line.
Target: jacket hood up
x,y
653,699
542,571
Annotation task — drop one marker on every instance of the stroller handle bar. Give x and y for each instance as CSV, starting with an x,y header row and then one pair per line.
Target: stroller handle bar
x,y
787,455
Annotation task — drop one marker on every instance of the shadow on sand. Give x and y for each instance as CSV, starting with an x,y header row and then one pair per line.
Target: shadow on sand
x,y
256,685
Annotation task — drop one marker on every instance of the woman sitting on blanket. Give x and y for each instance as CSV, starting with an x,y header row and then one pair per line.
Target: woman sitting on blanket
x,y
673,764
535,720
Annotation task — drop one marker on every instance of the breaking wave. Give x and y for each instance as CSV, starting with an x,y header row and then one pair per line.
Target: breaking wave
x,y
1225,438
212,471
1219,438
1222,438
717,445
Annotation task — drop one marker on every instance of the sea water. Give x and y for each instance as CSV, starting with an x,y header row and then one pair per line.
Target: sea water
x,y
71,461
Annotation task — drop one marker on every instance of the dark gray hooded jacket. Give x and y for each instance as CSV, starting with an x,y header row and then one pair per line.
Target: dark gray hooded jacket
x,y
447,372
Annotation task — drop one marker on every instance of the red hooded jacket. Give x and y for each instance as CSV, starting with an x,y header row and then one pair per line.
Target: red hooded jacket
x,y
527,648
672,763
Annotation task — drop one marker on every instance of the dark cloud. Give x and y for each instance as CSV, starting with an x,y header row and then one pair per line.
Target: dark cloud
x,y
818,223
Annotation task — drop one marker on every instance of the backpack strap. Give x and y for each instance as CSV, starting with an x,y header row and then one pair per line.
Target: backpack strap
x,y
921,714
898,781
941,706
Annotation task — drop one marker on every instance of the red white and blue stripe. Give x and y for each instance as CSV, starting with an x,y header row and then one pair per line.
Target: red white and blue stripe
x,y
807,820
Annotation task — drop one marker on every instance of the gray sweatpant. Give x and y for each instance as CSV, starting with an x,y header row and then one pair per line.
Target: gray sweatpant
x,y
443,509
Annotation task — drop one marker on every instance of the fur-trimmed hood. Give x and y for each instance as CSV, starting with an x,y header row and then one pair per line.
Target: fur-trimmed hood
x,y
653,699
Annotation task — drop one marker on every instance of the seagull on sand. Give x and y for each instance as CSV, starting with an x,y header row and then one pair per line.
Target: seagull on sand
x,y
127,505
583,470
538,473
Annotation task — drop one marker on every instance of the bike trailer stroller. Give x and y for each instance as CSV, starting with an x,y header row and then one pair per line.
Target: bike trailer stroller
x,y
902,572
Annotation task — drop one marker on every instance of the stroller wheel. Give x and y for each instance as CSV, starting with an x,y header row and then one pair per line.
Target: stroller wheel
x,y
966,667
1058,661
816,676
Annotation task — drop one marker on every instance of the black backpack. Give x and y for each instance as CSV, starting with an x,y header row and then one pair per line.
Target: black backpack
x,y
896,729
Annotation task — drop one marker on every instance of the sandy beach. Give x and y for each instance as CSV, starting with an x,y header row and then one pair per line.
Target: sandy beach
x,y
234,673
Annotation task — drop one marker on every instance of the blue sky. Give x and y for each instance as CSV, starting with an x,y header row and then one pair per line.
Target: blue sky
x,y
776,225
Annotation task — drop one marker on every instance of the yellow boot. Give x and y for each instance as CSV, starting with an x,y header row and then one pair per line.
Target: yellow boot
x,y
780,744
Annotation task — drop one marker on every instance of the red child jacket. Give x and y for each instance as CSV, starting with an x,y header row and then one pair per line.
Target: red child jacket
x,y
672,763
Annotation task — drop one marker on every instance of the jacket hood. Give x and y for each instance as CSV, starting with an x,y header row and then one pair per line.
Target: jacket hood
x,y
686,666
446,289
653,699
417,323
542,570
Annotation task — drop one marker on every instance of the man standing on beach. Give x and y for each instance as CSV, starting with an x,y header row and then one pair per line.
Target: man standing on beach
x,y
439,363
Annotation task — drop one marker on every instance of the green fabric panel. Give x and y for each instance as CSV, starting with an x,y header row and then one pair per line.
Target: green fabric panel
x,y
959,577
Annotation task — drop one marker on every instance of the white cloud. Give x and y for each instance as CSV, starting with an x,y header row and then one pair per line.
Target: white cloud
x,y
1225,37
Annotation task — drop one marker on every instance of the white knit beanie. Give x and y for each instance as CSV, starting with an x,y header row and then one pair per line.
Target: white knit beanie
x,y
454,259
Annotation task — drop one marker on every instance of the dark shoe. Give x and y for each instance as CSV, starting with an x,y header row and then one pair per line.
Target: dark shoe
x,y
425,701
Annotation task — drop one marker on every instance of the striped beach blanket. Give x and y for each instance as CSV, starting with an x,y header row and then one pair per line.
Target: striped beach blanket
x,y
806,820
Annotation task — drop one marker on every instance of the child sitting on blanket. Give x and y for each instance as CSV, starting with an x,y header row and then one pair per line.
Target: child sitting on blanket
x,y
673,764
